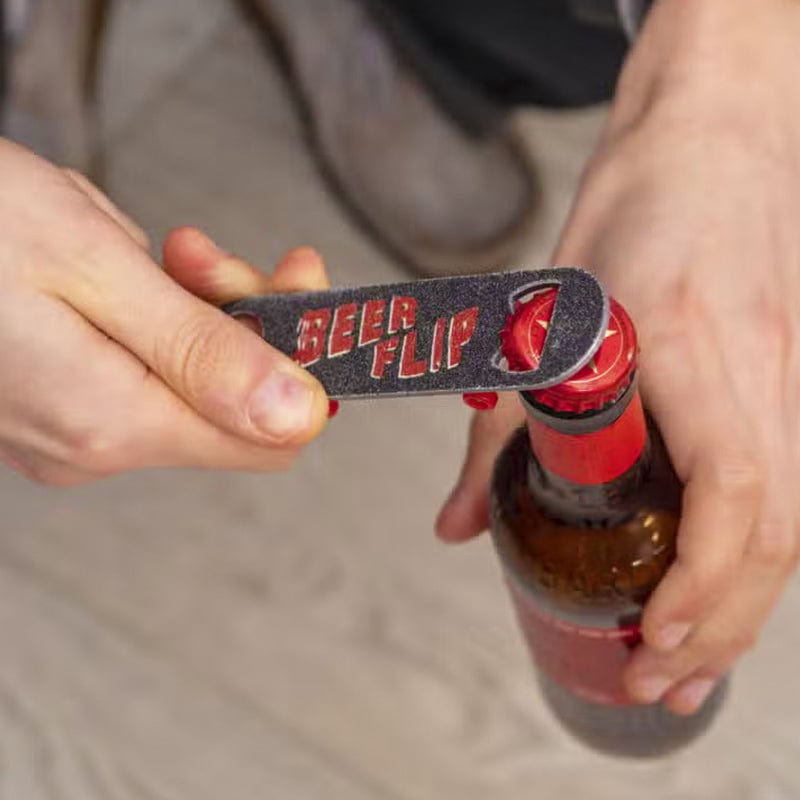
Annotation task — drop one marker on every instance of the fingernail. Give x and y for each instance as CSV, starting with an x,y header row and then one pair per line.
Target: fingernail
x,y
281,407
670,636
651,689
694,694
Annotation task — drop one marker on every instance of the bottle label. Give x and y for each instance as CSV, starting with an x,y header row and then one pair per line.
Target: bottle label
x,y
591,458
587,661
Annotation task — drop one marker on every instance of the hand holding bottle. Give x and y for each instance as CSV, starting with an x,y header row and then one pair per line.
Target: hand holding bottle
x,y
688,213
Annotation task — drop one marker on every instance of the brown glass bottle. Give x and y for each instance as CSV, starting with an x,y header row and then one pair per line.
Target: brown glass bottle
x,y
585,509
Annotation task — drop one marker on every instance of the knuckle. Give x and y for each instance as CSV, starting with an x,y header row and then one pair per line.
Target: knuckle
x,y
774,542
737,478
195,353
727,641
88,192
91,449
740,642
703,582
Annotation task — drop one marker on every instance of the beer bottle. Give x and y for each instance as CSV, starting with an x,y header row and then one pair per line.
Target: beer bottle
x,y
585,510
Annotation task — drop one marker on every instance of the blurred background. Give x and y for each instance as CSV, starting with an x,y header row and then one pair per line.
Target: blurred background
x,y
204,635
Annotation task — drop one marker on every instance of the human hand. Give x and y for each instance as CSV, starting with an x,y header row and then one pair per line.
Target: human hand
x,y
688,213
107,364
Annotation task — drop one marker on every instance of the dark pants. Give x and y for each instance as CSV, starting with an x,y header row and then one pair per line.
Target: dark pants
x,y
481,57
3,65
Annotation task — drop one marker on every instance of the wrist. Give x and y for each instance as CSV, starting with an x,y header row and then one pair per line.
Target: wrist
x,y
730,60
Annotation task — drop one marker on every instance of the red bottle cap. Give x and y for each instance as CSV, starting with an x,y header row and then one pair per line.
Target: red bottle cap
x,y
598,383
481,401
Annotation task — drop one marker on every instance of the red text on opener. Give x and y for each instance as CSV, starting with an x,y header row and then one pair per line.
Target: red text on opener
x,y
389,328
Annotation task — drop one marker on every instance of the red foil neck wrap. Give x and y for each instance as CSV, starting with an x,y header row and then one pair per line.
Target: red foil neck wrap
x,y
566,442
595,457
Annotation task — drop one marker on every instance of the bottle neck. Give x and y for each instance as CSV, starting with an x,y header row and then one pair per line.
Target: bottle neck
x,y
585,467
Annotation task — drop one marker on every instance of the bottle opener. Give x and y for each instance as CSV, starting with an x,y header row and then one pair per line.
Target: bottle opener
x,y
434,336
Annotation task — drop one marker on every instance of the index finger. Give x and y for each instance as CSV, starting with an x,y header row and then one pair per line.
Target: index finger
x,y
193,260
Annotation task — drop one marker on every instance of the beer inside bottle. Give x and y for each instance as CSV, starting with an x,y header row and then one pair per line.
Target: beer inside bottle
x,y
585,510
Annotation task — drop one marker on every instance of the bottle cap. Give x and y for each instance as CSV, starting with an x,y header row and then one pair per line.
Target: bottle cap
x,y
600,382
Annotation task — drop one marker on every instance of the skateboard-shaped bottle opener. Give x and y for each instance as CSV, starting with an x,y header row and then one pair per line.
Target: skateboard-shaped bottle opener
x,y
437,336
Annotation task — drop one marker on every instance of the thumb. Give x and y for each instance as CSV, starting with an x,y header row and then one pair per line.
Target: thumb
x,y
226,373
466,512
